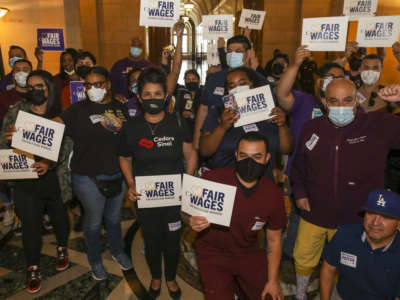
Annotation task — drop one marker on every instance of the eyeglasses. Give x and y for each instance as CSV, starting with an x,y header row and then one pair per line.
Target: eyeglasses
x,y
98,84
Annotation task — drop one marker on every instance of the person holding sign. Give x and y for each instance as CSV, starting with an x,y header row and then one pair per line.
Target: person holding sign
x,y
219,138
94,125
157,143
31,196
339,159
227,256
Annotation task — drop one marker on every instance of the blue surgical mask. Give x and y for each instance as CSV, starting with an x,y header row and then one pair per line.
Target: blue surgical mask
x,y
13,60
134,89
234,59
136,52
341,115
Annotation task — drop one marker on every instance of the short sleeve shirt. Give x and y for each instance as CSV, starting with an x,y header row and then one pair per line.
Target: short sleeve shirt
x,y
214,90
156,149
95,129
364,273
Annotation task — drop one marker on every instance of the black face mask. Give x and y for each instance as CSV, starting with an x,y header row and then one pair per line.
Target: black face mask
x,y
192,86
37,97
277,69
249,170
82,71
153,106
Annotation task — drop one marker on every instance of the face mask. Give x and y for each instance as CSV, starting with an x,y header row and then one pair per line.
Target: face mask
x,y
134,89
153,106
249,170
192,86
341,115
277,69
96,94
69,72
37,97
82,71
370,77
20,78
136,52
239,89
13,60
234,59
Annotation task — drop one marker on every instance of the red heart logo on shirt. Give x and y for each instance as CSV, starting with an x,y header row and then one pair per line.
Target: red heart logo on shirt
x,y
146,143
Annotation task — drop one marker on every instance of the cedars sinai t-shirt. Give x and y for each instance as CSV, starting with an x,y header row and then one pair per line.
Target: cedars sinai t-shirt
x,y
156,149
95,130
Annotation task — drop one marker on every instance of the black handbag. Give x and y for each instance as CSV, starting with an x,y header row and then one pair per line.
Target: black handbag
x,y
108,188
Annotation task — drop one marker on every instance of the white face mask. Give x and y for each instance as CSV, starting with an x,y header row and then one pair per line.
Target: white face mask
x,y
20,78
370,77
96,94
239,89
69,72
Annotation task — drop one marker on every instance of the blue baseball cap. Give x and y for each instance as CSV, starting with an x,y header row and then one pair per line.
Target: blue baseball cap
x,y
383,202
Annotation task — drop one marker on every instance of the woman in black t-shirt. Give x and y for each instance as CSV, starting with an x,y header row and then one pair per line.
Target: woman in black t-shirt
x,y
157,143
94,125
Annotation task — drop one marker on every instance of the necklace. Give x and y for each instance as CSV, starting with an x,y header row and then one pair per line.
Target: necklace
x,y
152,129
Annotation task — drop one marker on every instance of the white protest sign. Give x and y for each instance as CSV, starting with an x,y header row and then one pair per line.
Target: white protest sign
x,y
325,34
38,135
253,19
359,8
215,26
378,31
15,164
208,199
159,13
158,191
255,105
212,55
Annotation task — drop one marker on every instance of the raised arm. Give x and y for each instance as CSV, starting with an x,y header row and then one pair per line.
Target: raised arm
x,y
173,76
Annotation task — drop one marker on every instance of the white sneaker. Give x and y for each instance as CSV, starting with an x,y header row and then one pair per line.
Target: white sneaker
x,y
8,217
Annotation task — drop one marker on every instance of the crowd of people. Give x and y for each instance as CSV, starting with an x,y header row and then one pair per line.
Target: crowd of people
x,y
334,129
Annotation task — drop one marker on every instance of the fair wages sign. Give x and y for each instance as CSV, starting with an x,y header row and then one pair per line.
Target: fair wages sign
x,y
38,135
215,26
77,91
50,39
253,19
158,191
159,13
254,105
355,9
378,31
15,164
208,199
325,34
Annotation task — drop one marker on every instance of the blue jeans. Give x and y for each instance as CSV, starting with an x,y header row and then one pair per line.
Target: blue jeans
x,y
96,209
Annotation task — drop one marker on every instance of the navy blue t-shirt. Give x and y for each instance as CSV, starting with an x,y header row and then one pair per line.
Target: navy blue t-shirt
x,y
214,90
364,273
225,155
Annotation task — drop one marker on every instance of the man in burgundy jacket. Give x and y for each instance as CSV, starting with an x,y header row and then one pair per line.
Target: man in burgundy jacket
x,y
340,158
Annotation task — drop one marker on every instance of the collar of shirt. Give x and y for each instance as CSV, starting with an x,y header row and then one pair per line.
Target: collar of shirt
x,y
384,249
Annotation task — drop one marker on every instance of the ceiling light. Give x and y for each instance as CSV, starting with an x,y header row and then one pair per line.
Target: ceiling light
x,y
188,5
3,11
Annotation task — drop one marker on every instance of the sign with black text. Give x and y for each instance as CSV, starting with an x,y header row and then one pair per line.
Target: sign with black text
x,y
38,135
16,164
325,34
50,39
159,13
158,191
208,199
77,91
215,26
253,19
378,31
355,9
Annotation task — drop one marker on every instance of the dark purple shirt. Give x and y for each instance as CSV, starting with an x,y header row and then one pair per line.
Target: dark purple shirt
x,y
133,107
337,167
305,108
119,72
6,83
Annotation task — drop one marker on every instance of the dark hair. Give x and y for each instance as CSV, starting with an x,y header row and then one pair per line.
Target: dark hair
x,y
327,67
83,55
131,72
53,108
98,70
254,136
355,63
14,47
192,71
23,60
373,56
256,79
283,56
240,39
73,53
152,75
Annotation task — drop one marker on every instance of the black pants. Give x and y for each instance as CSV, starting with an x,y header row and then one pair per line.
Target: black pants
x,y
161,229
31,198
